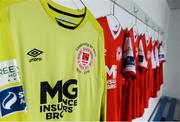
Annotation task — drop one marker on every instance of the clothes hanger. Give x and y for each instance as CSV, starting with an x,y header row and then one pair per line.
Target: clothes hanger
x,y
154,33
77,5
82,3
135,26
147,31
158,35
113,14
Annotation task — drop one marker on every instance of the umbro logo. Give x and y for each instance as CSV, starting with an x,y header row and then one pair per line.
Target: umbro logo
x,y
35,53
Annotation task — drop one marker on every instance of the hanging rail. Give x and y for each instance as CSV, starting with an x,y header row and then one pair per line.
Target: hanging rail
x,y
130,7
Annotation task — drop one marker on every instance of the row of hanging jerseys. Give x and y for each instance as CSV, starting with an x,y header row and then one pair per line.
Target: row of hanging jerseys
x,y
134,68
57,64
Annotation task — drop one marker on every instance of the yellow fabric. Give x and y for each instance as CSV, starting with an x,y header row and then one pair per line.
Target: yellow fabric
x,y
6,47
4,8
58,62
7,55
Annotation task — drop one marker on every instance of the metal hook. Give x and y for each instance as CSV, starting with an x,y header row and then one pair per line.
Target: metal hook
x,y
162,33
154,31
136,10
113,10
83,3
77,5
146,22
153,27
114,2
158,33
146,19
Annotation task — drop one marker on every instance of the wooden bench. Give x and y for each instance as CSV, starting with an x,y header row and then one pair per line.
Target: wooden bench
x,y
170,115
159,114
171,110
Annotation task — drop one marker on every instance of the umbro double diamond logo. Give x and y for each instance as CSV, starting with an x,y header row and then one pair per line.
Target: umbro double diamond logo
x,y
35,53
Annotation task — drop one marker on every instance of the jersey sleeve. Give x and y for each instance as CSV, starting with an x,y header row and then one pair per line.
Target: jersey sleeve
x,y
162,55
12,100
141,54
157,54
128,57
9,72
153,57
104,79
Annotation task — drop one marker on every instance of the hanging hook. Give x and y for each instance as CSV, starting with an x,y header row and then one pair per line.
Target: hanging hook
x,y
162,33
114,2
136,10
154,32
83,3
153,27
146,22
113,13
158,33
77,5
147,31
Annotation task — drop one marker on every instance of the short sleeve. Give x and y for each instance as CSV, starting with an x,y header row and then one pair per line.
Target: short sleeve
x,y
141,54
162,55
128,57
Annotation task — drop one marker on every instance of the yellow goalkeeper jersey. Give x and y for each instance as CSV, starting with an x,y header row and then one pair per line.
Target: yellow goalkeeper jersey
x,y
60,54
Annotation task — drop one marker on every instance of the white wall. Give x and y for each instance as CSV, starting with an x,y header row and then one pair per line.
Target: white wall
x,y
172,72
157,9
